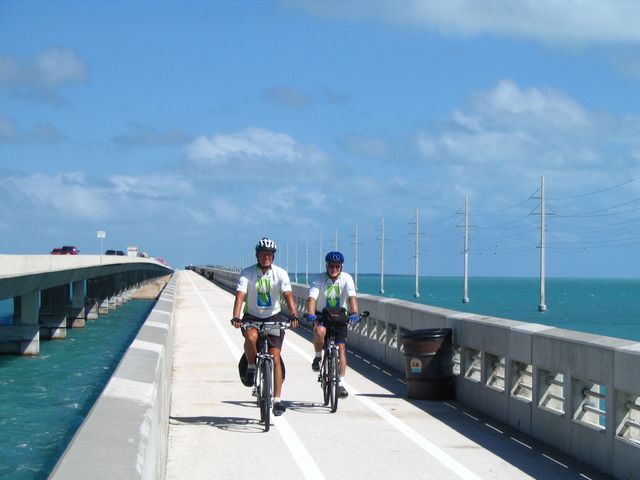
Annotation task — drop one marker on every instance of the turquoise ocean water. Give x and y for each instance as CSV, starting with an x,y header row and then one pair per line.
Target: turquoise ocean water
x,y
608,307
44,399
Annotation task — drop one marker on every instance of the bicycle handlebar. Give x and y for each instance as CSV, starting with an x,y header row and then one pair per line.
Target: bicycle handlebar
x,y
364,314
283,325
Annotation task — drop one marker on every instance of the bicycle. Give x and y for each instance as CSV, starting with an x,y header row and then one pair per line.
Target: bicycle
x,y
329,375
263,380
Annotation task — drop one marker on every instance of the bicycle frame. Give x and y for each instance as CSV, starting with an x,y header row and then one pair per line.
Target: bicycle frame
x,y
329,376
263,384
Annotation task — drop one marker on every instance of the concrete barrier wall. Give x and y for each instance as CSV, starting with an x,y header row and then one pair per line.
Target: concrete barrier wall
x,y
578,392
125,434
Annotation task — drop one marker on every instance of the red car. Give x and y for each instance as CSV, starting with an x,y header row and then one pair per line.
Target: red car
x,y
69,250
56,251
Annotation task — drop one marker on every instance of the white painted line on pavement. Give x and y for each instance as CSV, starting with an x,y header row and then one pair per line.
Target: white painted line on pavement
x,y
301,455
433,450
235,351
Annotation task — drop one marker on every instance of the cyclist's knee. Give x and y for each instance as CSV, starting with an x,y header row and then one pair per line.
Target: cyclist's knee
x,y
275,352
320,331
251,335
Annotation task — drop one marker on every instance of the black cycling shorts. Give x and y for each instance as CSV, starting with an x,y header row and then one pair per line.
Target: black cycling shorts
x,y
334,321
274,341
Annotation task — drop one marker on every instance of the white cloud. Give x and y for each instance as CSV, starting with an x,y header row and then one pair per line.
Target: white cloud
x,y
144,135
253,146
367,147
42,76
68,194
511,135
59,66
152,186
580,21
8,131
289,97
508,102
41,133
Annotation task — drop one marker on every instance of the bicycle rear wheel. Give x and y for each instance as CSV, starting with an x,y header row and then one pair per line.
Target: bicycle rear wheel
x,y
265,393
334,379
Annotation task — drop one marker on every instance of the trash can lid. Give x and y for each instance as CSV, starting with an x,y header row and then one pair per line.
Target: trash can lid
x,y
425,333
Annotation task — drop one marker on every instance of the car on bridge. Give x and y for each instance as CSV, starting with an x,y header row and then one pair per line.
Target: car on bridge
x,y
69,250
56,251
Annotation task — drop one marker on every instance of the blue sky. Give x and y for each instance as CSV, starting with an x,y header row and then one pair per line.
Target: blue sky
x,y
194,128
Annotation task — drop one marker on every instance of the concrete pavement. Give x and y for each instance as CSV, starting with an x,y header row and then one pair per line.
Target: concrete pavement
x,y
214,430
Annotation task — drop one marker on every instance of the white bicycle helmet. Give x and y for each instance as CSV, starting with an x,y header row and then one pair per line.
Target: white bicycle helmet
x,y
266,245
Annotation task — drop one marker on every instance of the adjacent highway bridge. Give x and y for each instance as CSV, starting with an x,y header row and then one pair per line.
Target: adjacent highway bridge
x,y
54,292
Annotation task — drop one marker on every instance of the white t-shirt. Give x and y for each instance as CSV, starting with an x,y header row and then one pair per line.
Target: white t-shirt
x,y
332,294
263,291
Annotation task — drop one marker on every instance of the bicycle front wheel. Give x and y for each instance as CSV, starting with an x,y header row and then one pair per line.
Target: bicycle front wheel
x,y
325,380
266,392
334,379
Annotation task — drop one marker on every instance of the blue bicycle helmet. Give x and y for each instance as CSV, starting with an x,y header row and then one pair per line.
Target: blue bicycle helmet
x,y
334,257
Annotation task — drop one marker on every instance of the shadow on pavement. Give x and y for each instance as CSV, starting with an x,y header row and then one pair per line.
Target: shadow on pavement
x,y
532,457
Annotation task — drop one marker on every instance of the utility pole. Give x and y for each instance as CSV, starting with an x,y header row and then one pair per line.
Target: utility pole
x,y
296,263
356,259
320,256
382,259
417,255
465,295
543,306
306,281
336,249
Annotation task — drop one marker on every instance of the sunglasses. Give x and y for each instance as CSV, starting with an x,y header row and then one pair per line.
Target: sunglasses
x,y
334,266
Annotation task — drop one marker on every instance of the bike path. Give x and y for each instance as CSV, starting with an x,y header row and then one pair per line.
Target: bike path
x,y
215,432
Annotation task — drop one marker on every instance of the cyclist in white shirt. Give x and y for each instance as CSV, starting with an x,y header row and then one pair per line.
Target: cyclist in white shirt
x,y
332,294
259,288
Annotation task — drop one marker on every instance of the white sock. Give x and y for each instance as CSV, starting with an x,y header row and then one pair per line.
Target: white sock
x,y
319,354
276,399
251,367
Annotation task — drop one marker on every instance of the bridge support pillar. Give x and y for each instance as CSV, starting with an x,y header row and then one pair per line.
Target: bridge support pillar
x,y
76,312
112,292
95,297
23,337
53,312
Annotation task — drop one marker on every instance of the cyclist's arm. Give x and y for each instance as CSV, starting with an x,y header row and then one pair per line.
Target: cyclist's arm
x,y
353,304
237,304
311,305
291,303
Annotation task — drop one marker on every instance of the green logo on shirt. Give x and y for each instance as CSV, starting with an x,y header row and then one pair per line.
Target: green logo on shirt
x,y
264,292
333,296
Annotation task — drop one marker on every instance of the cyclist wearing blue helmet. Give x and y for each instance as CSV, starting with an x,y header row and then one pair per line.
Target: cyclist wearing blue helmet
x,y
332,294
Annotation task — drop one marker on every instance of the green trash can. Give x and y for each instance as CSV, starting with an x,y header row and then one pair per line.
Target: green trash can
x,y
428,356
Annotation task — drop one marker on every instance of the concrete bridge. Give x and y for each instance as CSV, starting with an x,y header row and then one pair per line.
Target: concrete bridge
x,y
54,292
175,407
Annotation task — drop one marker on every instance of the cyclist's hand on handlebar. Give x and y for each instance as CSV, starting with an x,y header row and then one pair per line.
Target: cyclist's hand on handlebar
x,y
311,317
236,322
354,317
295,321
